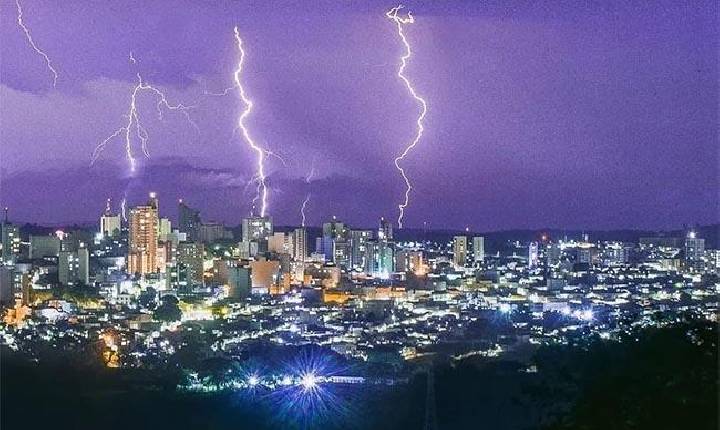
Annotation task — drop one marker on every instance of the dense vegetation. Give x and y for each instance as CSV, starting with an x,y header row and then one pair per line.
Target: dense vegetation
x,y
659,378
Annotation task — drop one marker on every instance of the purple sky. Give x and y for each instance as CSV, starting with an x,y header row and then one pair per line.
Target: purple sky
x,y
574,115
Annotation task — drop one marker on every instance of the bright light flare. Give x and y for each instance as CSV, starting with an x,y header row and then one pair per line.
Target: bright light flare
x,y
30,40
309,381
306,399
505,308
253,380
400,22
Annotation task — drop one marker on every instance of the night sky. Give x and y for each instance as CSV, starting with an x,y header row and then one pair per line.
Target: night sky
x,y
594,115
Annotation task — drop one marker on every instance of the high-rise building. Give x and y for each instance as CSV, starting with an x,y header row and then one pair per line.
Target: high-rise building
x,y
280,243
245,249
694,249
336,243
409,260
300,248
385,230
109,222
342,253
73,266
190,262
334,229
554,252
164,228
10,240
143,239
460,249
533,255
479,249
237,278
360,239
380,258
326,246
616,253
165,255
44,246
212,232
257,228
584,255
7,286
189,220
264,274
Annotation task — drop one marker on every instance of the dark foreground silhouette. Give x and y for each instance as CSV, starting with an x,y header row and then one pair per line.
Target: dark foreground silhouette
x,y
653,379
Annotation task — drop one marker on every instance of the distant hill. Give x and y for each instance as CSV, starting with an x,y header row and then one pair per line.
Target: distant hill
x,y
494,240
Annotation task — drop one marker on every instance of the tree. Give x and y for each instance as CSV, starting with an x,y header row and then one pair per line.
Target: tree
x,y
147,298
654,378
168,311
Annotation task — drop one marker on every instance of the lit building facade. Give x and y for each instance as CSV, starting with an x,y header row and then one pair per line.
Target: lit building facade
x,y
300,244
109,223
460,250
73,266
190,257
479,249
256,228
143,239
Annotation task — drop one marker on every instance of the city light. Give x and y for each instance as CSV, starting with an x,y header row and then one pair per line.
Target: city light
x,y
271,297
584,315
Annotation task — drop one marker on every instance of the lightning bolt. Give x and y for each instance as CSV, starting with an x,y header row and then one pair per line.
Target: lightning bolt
x,y
262,153
302,209
400,22
134,124
30,40
308,178
262,191
123,207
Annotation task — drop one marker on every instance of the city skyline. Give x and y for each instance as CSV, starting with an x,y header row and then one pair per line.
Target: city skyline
x,y
339,214
570,125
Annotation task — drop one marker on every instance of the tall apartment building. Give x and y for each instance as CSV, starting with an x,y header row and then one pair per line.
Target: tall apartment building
x,y
460,250
143,238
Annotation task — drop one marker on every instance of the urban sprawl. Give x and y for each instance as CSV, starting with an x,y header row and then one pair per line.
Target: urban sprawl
x,y
139,292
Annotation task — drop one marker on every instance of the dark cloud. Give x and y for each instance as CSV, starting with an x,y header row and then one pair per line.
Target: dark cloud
x,y
592,115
